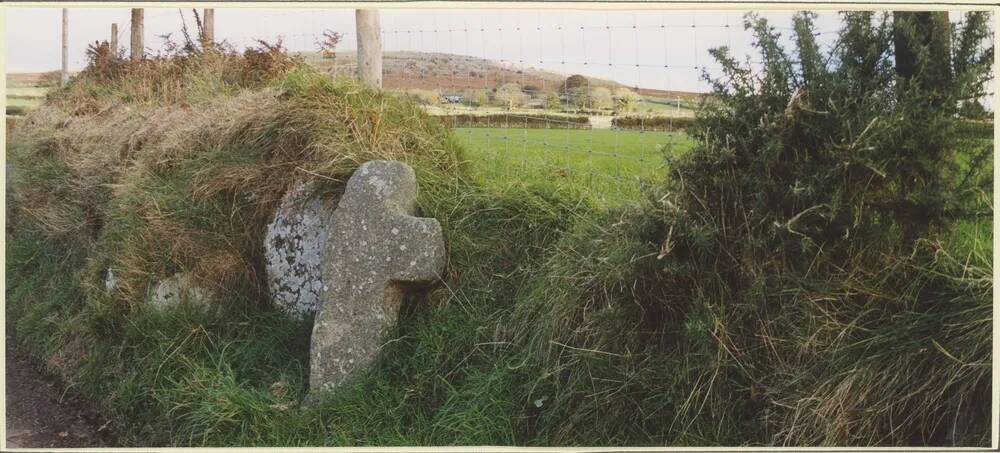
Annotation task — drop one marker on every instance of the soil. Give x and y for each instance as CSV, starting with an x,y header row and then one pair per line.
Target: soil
x,y
42,413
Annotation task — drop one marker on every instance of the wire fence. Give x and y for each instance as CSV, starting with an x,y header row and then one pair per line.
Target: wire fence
x,y
590,100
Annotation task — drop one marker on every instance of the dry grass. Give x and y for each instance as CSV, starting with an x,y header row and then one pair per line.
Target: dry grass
x,y
177,164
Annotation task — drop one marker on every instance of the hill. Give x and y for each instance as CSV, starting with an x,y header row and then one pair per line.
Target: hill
x,y
434,70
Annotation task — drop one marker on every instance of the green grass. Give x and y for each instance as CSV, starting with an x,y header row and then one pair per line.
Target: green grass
x,y
38,92
235,376
25,98
662,108
610,166
25,103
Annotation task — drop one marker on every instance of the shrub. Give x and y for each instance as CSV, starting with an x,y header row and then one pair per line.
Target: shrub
x,y
478,98
574,82
600,98
552,101
265,62
798,280
510,96
625,99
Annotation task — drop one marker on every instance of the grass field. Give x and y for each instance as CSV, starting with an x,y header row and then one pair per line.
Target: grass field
x,y
663,108
27,103
609,165
26,91
38,92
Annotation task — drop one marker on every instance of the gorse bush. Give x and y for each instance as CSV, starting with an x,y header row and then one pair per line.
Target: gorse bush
x,y
824,148
798,268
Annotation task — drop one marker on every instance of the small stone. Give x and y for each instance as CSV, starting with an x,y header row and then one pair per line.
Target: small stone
x,y
178,289
109,280
354,318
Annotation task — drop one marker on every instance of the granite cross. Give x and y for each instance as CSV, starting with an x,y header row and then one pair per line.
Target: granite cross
x,y
377,250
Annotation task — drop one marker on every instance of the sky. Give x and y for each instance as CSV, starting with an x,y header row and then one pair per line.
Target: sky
x,y
649,49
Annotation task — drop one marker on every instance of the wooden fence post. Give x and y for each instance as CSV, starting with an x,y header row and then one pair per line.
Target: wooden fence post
x,y
64,75
137,50
369,47
208,28
114,40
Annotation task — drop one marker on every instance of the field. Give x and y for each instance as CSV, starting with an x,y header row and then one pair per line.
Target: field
x,y
664,107
25,91
25,98
610,165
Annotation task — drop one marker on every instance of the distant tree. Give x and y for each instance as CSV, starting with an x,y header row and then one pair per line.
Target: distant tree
x,y
600,98
552,101
576,90
510,96
625,99
478,98
328,47
574,82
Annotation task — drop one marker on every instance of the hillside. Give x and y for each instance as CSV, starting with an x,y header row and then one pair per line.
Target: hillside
x,y
423,70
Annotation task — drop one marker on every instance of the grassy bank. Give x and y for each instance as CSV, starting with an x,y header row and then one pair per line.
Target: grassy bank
x,y
193,194
561,318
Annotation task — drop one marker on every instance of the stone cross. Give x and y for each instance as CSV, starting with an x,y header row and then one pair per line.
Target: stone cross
x,y
377,250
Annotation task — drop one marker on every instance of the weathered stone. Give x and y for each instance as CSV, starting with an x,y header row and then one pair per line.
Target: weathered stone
x,y
376,251
178,289
293,249
109,280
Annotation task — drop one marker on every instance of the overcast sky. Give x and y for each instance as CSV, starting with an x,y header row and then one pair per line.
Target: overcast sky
x,y
652,49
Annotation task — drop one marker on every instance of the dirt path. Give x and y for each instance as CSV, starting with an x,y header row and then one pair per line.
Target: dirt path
x,y
41,414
